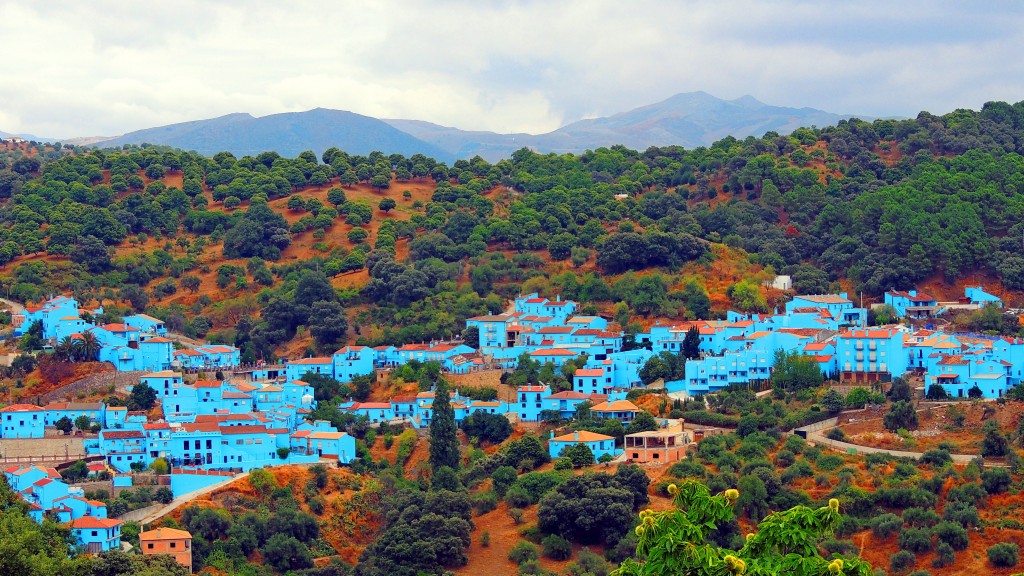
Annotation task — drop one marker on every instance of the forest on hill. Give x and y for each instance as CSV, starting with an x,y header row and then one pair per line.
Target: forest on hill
x,y
261,251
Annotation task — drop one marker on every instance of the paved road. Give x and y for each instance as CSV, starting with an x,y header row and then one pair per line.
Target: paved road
x,y
13,306
186,498
815,434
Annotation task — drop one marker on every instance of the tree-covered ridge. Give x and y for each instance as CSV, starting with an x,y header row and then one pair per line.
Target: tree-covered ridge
x,y
884,205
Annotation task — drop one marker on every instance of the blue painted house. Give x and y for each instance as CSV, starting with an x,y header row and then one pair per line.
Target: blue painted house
x,y
911,304
296,369
599,444
531,402
147,323
22,421
96,535
352,361
977,295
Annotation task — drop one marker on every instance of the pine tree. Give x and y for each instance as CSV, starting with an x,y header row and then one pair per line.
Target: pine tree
x,y
691,343
444,444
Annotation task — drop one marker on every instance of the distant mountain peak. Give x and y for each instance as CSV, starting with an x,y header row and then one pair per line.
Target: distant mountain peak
x,y
688,119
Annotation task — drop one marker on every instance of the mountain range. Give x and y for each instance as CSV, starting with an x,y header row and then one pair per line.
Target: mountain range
x,y
689,119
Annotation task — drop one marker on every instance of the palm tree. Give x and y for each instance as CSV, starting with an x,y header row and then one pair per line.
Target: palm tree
x,y
65,349
89,347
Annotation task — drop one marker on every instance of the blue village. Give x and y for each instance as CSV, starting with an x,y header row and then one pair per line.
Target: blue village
x,y
213,426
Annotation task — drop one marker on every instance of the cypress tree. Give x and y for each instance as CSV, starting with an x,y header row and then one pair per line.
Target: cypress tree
x,y
444,444
691,343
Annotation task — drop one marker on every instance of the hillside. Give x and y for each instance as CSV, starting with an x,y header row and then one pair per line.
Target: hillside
x,y
287,134
238,248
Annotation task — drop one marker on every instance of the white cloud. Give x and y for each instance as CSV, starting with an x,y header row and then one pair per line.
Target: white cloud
x,y
109,67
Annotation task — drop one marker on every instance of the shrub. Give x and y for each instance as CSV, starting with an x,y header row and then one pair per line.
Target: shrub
x,y
1003,554
953,534
886,525
944,555
936,457
556,547
795,444
836,434
516,514
523,552
829,462
485,539
687,469
484,502
962,513
784,458
517,497
901,560
503,478
995,480
920,517
916,540
563,464
590,564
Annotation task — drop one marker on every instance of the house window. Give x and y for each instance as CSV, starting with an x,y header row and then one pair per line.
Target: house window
x,y
149,546
174,545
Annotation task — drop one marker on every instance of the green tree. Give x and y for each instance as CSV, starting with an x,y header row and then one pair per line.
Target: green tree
x,y
444,443
794,371
64,424
142,397
785,542
643,422
285,553
580,454
832,401
83,422
901,414
691,343
747,297
696,300
387,205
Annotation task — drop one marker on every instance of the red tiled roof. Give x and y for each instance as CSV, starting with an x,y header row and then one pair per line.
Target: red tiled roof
x,y
553,352
569,395
91,522
207,384
244,429
370,406
312,361
118,328
122,434
21,408
589,372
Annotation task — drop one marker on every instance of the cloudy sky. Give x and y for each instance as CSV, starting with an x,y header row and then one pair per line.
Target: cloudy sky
x,y
108,67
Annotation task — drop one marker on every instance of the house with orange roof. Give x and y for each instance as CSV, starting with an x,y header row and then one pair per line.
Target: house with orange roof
x,y
170,541
96,534
871,355
599,444
622,410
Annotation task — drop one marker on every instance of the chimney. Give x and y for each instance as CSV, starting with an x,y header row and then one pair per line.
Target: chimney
x,y
576,436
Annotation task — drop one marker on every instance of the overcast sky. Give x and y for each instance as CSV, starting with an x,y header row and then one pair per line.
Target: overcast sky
x,y
109,67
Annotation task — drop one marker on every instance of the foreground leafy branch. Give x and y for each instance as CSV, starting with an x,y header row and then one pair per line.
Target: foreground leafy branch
x,y
674,542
